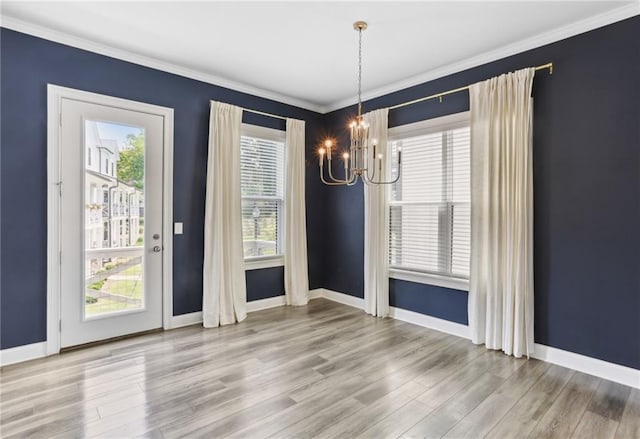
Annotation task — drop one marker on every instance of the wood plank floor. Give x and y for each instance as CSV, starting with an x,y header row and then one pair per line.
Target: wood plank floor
x,y
324,370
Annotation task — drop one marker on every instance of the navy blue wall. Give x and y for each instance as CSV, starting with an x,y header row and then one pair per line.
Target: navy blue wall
x,y
27,65
264,283
587,194
586,179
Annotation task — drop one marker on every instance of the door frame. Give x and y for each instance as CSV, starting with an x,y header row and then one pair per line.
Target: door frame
x,y
55,94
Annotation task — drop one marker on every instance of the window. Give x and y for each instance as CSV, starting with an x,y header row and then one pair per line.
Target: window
x,y
430,209
105,203
89,156
262,181
94,193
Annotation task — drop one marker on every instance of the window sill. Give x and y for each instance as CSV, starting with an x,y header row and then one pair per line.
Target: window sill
x,y
263,262
429,279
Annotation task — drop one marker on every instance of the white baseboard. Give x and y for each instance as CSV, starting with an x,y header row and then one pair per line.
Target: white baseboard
x,y
195,318
270,302
192,318
345,299
592,366
398,313
23,353
39,350
430,322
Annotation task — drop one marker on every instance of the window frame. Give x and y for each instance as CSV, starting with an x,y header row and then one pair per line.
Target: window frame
x,y
272,135
421,128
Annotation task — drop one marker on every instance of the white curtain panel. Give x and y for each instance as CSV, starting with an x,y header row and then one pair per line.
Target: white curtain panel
x,y
224,296
376,222
501,277
296,278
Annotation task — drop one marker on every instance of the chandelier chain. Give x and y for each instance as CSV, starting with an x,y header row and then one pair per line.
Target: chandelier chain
x,y
359,72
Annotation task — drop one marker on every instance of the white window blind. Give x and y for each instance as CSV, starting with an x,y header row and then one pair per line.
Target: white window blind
x,y
430,204
262,180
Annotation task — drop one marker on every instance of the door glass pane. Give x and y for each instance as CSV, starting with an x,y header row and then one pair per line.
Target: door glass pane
x,y
113,218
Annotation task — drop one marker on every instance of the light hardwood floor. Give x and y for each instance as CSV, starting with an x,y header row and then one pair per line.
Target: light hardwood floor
x,y
324,370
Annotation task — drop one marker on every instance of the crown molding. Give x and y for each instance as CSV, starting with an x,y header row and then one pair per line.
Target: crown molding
x,y
572,29
552,36
154,63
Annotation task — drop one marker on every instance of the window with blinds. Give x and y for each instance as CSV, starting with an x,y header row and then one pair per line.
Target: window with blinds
x,y
430,204
262,181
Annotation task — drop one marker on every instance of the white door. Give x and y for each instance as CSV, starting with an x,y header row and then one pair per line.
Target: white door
x,y
111,222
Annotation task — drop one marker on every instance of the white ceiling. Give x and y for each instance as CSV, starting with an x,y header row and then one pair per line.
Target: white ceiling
x,y
306,52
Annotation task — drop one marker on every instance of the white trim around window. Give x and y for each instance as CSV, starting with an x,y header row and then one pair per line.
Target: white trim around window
x,y
453,283
264,262
443,123
265,133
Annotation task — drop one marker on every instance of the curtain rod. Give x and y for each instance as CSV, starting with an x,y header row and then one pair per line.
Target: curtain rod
x,y
262,113
456,90
404,104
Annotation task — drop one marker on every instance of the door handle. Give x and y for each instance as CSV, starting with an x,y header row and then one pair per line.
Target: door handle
x,y
157,249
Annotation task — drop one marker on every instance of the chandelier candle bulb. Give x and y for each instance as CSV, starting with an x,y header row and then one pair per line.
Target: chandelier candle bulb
x,y
345,156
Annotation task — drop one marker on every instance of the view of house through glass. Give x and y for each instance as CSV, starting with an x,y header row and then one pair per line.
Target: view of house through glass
x,y
113,218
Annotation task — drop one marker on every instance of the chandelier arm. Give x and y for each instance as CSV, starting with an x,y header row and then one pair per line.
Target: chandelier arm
x,y
388,182
372,177
339,180
333,178
373,173
371,180
353,179
328,183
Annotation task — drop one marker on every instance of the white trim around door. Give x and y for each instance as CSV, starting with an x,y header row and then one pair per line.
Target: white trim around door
x,y
55,95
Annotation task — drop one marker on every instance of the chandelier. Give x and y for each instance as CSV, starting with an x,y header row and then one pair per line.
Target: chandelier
x,y
362,160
